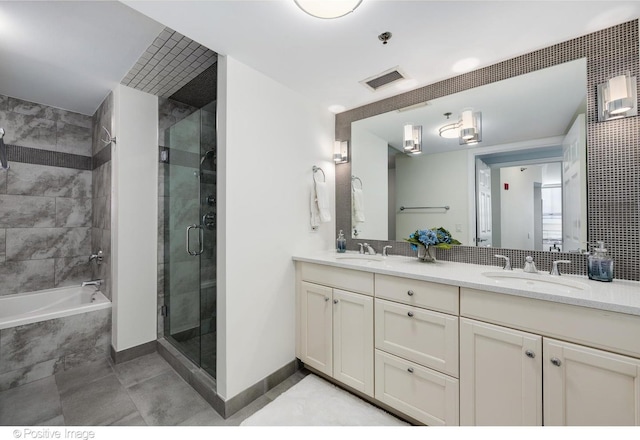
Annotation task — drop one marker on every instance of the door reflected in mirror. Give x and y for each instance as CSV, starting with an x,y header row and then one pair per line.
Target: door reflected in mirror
x,y
523,186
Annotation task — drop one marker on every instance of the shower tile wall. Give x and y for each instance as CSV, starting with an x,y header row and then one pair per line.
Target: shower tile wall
x,y
45,208
101,220
169,113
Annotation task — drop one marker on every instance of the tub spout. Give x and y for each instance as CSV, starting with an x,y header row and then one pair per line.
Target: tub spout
x,y
96,283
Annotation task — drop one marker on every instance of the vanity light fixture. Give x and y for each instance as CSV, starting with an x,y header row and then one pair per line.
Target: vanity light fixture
x,y
470,132
328,8
341,151
412,139
617,98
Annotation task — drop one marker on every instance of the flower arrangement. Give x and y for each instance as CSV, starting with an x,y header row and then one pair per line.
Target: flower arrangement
x,y
436,237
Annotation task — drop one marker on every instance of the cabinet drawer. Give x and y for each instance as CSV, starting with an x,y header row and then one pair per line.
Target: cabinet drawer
x,y
435,296
345,279
426,337
421,393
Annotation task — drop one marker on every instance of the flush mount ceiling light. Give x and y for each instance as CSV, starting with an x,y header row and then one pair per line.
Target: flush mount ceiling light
x,y
412,139
617,98
328,8
449,131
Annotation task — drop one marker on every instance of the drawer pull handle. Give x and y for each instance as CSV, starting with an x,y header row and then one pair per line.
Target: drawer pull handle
x,y
410,370
410,314
410,292
335,301
530,354
555,361
326,298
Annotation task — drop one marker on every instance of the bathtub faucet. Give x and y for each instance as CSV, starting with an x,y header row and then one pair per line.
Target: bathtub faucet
x,y
96,283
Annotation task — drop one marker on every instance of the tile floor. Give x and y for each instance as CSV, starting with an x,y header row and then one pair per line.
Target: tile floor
x,y
143,391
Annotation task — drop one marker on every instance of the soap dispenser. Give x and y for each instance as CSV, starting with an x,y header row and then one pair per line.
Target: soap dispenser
x,y
599,265
341,245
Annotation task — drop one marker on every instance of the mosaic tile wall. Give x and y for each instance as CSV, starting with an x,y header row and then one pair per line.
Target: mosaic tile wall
x,y
45,197
613,152
170,62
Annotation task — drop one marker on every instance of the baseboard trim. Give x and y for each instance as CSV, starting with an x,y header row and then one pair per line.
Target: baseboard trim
x,y
131,353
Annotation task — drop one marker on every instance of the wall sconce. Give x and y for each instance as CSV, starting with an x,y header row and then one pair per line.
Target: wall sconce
x,y
412,139
470,127
328,9
617,98
341,151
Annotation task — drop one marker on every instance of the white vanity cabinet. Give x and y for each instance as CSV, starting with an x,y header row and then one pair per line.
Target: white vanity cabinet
x,y
335,327
505,371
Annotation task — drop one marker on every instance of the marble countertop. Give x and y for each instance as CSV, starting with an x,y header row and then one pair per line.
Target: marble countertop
x,y
617,296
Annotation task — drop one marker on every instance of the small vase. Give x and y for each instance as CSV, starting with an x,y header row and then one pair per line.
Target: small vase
x,y
427,254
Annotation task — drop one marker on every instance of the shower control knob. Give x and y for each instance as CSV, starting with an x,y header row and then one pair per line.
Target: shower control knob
x,y
211,200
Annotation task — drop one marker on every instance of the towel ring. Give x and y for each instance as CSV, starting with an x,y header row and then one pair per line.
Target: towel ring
x,y
316,169
354,178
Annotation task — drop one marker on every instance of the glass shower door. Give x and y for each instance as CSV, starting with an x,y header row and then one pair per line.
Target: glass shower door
x,y
184,237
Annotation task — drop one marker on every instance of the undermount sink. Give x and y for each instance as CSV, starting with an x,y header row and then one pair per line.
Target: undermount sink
x,y
536,280
363,257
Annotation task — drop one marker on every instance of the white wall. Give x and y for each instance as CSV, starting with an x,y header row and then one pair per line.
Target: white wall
x,y
433,180
269,139
134,204
369,162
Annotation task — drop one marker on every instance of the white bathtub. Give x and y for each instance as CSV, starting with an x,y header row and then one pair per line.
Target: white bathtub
x,y
26,308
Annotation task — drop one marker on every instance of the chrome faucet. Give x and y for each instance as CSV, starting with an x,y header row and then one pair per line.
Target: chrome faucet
x,y
369,250
554,269
529,265
507,262
98,257
385,252
361,251
95,283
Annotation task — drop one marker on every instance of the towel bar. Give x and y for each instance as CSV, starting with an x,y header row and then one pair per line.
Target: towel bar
x,y
354,178
316,169
446,208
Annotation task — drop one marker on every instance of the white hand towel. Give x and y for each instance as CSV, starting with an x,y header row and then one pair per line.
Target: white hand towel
x,y
322,198
358,205
313,208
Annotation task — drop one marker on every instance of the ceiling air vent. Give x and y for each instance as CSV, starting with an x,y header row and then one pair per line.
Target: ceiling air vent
x,y
383,79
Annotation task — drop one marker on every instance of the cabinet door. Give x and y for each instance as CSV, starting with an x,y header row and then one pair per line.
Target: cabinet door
x,y
315,327
584,386
353,340
426,337
500,375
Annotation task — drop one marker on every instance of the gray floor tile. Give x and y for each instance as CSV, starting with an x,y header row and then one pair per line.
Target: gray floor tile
x,y
247,411
78,377
207,417
134,419
286,384
36,403
98,403
166,400
140,369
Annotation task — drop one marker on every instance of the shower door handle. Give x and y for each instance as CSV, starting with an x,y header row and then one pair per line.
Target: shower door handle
x,y
200,240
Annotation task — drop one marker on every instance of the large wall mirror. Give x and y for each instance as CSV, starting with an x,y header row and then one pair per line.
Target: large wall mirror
x,y
520,184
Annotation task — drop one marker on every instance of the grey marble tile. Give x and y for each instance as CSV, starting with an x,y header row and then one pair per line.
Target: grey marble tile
x,y
27,211
82,358
72,271
73,212
26,276
102,118
73,118
208,417
3,245
44,243
133,419
3,180
73,139
31,108
33,343
3,103
28,131
36,403
141,369
166,400
21,376
98,403
72,379
101,217
43,180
